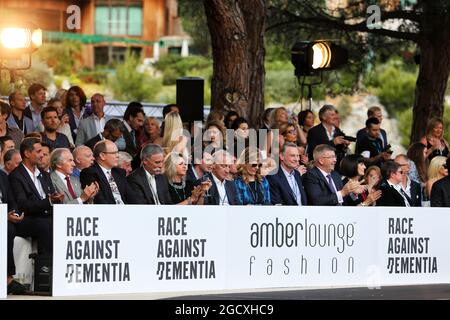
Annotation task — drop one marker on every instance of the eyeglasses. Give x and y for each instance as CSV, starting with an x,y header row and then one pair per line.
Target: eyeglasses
x,y
292,131
400,171
254,165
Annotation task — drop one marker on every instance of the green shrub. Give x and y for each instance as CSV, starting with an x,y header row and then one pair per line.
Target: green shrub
x,y
394,85
128,84
173,67
64,57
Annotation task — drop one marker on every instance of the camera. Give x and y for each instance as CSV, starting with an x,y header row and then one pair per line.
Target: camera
x,y
388,149
350,138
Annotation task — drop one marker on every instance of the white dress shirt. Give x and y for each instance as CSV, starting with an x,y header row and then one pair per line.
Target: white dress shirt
x,y
37,183
293,184
223,198
99,123
152,182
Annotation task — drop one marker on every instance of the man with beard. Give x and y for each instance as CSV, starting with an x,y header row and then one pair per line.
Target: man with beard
x,y
50,121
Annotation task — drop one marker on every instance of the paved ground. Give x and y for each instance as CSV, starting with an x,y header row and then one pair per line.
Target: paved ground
x,y
422,292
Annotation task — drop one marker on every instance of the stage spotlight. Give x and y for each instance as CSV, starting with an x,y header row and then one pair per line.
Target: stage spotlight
x,y
310,57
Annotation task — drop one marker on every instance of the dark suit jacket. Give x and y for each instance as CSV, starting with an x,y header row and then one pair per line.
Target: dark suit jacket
x,y
318,190
389,196
7,195
26,195
416,194
362,133
91,142
131,147
318,135
139,184
214,198
105,195
281,192
190,176
440,193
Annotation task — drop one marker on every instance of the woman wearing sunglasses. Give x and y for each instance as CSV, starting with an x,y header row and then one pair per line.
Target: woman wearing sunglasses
x,y
252,188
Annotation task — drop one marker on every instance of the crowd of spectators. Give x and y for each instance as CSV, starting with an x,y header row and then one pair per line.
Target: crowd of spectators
x,y
66,150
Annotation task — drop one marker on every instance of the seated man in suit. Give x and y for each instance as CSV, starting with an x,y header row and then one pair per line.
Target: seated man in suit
x,y
411,188
112,182
202,165
147,182
94,124
62,164
327,132
323,185
113,131
286,185
440,192
222,191
34,196
392,194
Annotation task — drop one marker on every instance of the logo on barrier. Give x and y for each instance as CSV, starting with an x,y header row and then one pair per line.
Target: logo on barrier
x,y
174,243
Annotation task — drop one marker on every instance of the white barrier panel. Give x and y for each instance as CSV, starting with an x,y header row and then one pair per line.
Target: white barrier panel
x,y
3,249
124,249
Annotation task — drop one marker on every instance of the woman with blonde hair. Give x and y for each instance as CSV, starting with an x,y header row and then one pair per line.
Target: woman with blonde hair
x,y
151,132
436,171
252,188
182,191
434,139
173,139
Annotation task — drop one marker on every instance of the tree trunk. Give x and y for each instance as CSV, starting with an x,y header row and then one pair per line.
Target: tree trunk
x,y
237,37
433,72
255,13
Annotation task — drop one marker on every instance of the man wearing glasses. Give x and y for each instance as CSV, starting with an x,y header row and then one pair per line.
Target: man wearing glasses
x,y
112,182
392,194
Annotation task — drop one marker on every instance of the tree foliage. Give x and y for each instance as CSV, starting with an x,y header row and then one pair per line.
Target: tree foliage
x,y
129,84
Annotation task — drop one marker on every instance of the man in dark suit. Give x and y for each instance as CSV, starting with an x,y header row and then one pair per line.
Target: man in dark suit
x,y
202,165
14,218
34,196
286,185
328,133
222,192
392,194
440,192
133,119
113,130
147,182
112,182
323,185
410,187
373,112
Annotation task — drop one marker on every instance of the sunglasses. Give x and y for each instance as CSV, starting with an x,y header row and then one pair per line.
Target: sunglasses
x,y
254,165
444,166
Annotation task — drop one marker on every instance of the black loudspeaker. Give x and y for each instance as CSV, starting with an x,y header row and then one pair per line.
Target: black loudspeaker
x,y
190,98
43,265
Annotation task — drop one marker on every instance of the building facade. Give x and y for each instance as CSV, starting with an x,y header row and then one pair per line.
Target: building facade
x,y
106,27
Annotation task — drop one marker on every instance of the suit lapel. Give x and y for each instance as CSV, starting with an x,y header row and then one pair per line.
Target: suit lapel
x,y
321,176
147,191
60,185
284,181
30,182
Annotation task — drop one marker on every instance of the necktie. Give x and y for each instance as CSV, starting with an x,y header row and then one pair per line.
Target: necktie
x,y
294,188
69,187
330,183
153,189
114,188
